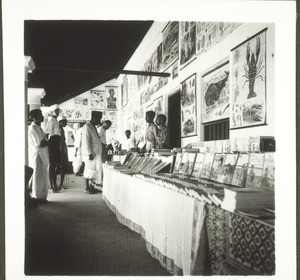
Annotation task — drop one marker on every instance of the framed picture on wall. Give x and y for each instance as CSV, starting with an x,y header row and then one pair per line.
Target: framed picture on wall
x,y
215,93
97,100
158,106
170,44
187,42
248,82
188,107
111,97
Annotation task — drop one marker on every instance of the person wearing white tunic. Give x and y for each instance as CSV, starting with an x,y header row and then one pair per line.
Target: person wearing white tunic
x,y
38,157
91,149
102,133
130,143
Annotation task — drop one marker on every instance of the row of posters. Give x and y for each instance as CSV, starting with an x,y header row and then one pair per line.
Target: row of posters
x,y
244,102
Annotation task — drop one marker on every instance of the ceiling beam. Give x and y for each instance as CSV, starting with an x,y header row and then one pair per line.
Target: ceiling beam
x,y
126,72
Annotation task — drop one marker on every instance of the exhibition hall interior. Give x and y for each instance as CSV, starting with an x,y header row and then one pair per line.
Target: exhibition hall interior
x,y
150,148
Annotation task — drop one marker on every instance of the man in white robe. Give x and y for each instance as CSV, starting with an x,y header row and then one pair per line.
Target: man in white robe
x,y
38,157
91,149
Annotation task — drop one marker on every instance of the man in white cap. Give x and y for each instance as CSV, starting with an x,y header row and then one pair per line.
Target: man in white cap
x,y
53,133
91,152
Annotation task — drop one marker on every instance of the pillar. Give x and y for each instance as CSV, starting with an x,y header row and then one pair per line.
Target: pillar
x,y
28,67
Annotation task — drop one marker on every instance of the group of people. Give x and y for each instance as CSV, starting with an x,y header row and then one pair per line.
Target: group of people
x,y
157,134
48,152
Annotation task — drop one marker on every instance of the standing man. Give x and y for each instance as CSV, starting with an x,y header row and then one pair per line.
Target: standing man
x,y
38,157
151,131
102,133
163,133
53,134
91,152
130,143
63,151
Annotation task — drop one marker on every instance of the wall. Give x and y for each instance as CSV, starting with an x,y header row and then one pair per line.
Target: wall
x,y
78,109
219,52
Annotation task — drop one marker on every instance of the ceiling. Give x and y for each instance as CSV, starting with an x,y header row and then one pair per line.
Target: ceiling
x,y
72,57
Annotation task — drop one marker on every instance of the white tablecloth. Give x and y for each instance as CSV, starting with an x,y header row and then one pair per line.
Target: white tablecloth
x,y
170,222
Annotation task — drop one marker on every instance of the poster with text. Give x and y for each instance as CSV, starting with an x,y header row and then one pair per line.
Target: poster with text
x,y
188,107
248,82
215,94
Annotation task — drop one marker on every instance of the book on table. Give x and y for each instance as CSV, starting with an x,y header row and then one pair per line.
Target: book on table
x,y
177,163
187,163
228,169
217,166
255,170
240,172
247,199
268,176
207,164
198,165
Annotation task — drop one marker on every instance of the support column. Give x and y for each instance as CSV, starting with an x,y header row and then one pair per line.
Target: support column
x,y
29,67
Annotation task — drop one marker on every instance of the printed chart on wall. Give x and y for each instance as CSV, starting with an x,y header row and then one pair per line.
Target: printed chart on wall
x,y
170,45
157,106
111,97
124,92
187,42
188,107
81,108
215,93
98,100
248,82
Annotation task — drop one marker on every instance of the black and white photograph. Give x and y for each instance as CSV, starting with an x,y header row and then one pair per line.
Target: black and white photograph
x,y
149,140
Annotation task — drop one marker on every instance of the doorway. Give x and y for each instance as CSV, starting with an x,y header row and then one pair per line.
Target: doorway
x,y
174,121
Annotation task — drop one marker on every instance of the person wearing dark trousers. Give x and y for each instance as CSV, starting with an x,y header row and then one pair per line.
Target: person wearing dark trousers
x,y
63,151
53,133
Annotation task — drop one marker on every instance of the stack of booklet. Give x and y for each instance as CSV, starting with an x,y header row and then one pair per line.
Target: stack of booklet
x,y
247,199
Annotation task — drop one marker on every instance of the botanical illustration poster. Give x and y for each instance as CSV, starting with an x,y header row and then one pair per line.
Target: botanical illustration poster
x,y
111,97
124,92
170,44
138,125
68,113
79,103
157,106
111,132
215,94
175,70
97,99
212,35
200,37
188,107
187,41
248,90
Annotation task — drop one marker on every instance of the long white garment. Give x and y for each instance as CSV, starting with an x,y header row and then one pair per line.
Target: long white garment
x,y
91,144
77,162
39,161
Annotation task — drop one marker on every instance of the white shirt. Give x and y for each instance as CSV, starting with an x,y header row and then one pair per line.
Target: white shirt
x,y
102,134
52,127
129,144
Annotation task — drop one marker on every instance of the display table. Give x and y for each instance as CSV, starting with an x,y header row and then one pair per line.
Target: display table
x,y
169,222
173,227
